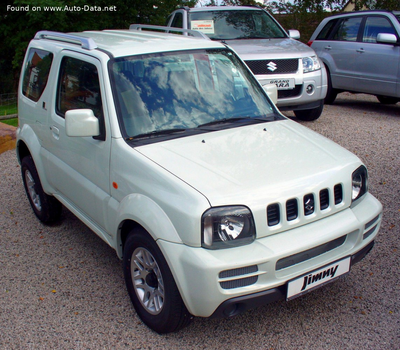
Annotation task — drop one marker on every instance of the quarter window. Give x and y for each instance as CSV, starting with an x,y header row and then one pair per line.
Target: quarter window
x,y
374,26
348,29
36,72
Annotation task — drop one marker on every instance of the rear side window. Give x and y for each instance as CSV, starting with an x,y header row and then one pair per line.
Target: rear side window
x,y
78,87
36,72
325,33
348,29
376,25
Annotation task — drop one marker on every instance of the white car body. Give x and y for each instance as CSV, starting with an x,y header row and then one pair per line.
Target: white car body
x,y
167,186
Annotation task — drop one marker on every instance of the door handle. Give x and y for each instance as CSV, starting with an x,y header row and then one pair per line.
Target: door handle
x,y
360,50
329,47
55,132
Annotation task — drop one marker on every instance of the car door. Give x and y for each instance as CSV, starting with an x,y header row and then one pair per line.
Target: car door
x,y
376,64
79,166
340,52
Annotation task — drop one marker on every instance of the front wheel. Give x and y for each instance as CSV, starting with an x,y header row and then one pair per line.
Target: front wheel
x,y
309,114
46,208
151,286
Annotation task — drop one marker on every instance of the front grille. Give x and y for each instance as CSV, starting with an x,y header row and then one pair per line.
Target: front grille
x,y
309,204
241,272
309,254
281,66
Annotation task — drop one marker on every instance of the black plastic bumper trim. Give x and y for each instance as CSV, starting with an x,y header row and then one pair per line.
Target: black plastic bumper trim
x,y
236,306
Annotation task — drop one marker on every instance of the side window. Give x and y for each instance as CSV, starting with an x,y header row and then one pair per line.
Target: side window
x,y
78,87
36,72
177,22
375,25
348,29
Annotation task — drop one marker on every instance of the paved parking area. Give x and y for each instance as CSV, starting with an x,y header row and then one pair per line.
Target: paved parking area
x,y
62,287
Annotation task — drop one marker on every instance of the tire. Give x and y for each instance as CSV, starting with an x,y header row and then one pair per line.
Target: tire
x,y
46,208
386,100
309,114
331,93
151,286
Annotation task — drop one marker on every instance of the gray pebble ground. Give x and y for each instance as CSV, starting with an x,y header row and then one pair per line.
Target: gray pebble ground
x,y
62,287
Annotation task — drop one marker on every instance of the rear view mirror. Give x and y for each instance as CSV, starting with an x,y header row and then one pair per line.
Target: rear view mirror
x,y
81,123
272,92
386,38
294,34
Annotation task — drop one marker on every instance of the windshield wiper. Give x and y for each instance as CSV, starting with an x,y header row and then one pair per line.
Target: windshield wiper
x,y
156,133
234,120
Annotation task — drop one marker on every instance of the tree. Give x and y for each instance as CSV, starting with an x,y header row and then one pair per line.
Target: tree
x,y
21,19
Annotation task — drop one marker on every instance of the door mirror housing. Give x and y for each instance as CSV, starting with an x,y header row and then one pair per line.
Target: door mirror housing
x,y
385,38
272,92
81,123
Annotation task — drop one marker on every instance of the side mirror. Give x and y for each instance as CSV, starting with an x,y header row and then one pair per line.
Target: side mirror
x,y
385,38
294,34
81,123
272,92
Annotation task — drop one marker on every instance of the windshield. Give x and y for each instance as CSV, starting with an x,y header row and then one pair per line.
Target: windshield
x,y
183,91
228,25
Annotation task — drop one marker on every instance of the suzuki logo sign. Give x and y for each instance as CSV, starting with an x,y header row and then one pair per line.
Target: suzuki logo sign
x,y
272,66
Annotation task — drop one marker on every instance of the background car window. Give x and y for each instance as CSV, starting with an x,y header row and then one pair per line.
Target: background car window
x,y
348,29
374,26
37,70
327,30
78,87
177,21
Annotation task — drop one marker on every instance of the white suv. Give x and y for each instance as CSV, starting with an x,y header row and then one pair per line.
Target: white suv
x,y
169,149
273,55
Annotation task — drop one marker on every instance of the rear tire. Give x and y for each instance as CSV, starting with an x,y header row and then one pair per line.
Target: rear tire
x,y
309,114
386,100
46,208
151,286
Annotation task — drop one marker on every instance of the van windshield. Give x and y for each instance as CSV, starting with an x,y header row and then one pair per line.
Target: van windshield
x,y
232,24
176,94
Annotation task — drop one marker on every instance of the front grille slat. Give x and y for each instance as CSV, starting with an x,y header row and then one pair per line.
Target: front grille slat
x,y
292,209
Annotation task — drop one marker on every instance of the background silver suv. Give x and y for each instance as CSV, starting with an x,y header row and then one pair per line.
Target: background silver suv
x,y
273,55
361,52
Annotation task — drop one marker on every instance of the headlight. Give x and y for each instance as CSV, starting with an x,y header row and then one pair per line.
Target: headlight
x,y
359,183
225,227
311,64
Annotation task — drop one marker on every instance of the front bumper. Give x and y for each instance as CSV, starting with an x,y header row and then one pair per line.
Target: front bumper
x,y
297,97
229,281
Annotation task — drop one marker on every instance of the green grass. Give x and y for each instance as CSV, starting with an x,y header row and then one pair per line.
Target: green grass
x,y
12,121
9,109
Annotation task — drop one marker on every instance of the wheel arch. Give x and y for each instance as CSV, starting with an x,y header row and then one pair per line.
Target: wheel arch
x,y
138,211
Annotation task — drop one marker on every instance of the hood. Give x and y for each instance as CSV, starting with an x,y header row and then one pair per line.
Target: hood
x,y
252,164
252,49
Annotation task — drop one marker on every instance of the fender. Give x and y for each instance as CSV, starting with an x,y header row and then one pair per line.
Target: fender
x,y
145,212
27,136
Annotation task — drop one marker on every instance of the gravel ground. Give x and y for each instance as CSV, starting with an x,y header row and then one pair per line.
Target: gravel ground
x,y
62,287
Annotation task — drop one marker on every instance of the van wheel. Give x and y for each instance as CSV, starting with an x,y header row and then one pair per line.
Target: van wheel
x,y
386,100
151,286
46,208
309,114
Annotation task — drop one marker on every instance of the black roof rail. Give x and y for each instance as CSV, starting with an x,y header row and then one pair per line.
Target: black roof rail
x,y
86,43
194,33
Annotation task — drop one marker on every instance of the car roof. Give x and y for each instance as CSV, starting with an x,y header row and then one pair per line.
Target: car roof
x,y
224,8
119,43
